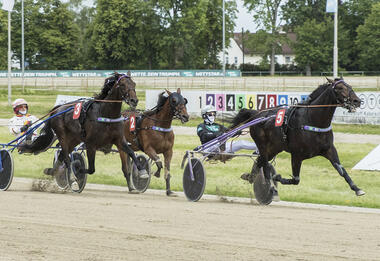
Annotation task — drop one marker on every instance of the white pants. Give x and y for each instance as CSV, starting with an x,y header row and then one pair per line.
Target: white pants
x,y
235,145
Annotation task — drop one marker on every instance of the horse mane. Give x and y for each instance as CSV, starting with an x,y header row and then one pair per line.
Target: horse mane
x,y
108,84
162,98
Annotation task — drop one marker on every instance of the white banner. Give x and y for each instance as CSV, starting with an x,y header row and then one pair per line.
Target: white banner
x,y
231,101
8,5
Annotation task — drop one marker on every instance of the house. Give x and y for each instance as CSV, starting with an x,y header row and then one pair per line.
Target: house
x,y
234,52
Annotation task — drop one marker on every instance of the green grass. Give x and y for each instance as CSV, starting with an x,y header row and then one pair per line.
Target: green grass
x,y
320,183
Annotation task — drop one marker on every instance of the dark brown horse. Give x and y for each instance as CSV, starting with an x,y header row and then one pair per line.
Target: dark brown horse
x,y
100,123
306,131
153,134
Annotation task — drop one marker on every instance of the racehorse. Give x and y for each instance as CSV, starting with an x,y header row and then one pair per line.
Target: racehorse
x,y
153,133
99,123
305,133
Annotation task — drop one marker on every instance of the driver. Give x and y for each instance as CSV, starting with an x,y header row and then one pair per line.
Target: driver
x,y
209,130
22,120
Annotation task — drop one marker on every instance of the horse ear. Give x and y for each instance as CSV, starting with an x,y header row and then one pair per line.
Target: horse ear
x,y
129,73
168,92
179,90
329,80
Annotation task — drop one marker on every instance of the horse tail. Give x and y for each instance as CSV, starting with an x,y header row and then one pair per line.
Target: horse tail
x,y
243,116
42,143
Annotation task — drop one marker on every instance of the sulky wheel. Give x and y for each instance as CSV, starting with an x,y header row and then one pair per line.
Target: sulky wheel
x,y
262,187
140,184
76,179
60,175
194,187
6,169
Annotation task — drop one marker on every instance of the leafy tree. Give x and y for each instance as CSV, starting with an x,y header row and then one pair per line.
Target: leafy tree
x,y
296,12
193,31
51,36
267,13
314,45
3,40
368,40
125,34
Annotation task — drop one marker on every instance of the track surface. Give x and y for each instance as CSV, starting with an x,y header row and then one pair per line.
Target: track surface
x,y
110,224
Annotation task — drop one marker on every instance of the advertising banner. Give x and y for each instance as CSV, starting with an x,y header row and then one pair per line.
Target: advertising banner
x,y
231,101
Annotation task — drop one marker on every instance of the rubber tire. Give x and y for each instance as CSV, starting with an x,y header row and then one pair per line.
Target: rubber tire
x,y
6,175
81,178
139,184
262,187
194,189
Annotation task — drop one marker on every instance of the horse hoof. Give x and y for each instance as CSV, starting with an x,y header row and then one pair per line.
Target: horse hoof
x,y
275,196
49,171
170,193
157,174
248,177
359,192
133,192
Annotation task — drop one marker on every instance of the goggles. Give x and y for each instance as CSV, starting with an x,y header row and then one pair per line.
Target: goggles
x,y
212,113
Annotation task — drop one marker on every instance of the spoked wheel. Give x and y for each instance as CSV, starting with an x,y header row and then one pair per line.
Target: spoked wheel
x,y
194,184
61,174
262,187
6,169
76,179
140,184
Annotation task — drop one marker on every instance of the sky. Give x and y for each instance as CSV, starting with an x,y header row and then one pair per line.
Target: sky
x,y
244,19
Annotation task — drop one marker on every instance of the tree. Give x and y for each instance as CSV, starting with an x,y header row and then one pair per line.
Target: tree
x,y
193,31
267,13
51,36
3,40
314,45
368,40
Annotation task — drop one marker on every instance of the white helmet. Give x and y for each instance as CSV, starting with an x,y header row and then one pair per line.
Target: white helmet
x,y
19,102
206,109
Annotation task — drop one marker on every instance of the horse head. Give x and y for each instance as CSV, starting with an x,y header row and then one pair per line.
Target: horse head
x,y
178,105
127,86
345,95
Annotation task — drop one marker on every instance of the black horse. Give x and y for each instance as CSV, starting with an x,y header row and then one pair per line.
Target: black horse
x,y
305,133
99,124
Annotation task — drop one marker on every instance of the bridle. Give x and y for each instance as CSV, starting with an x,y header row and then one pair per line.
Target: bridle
x,y
173,105
125,96
347,102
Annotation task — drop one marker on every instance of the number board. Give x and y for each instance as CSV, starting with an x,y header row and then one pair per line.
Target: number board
x,y
210,99
283,99
240,101
261,102
219,99
230,102
271,100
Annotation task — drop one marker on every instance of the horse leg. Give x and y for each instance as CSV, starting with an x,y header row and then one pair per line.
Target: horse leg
x,y
296,167
168,157
262,162
153,155
124,147
125,168
332,156
91,160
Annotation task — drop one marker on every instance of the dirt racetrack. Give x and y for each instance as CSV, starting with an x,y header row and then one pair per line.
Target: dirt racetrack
x,y
105,223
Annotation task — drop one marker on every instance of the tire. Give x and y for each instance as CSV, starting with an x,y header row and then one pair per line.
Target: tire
x,y
74,175
6,169
194,189
262,187
139,184
61,176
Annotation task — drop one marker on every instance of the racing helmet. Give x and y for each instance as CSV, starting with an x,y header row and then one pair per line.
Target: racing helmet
x,y
17,103
207,109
